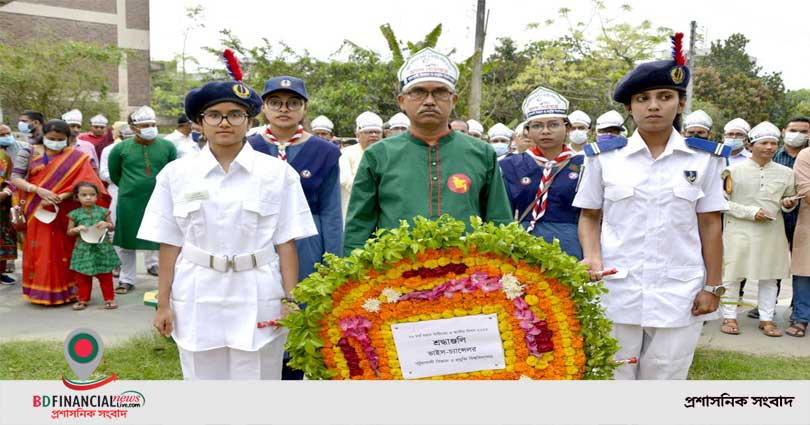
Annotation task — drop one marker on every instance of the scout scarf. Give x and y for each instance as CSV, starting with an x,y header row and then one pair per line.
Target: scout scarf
x,y
542,192
282,146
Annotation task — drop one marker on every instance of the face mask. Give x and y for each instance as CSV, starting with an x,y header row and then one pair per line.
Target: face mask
x,y
23,127
794,139
500,148
54,145
195,136
149,133
6,141
734,144
605,136
578,136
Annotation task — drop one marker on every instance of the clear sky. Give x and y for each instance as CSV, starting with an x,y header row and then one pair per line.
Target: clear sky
x,y
779,30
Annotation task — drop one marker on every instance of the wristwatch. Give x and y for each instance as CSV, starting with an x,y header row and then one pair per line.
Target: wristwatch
x,y
717,290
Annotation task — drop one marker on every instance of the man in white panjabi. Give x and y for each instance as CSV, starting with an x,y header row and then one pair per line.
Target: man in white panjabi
x,y
368,131
756,247
735,136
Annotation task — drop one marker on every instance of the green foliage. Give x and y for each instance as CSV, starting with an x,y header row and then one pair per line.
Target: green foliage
x,y
53,76
391,245
169,88
730,365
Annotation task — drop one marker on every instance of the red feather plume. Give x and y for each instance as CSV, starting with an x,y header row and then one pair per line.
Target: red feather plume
x,y
232,65
677,49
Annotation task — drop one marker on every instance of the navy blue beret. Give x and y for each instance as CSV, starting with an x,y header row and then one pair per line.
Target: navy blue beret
x,y
197,100
663,74
285,83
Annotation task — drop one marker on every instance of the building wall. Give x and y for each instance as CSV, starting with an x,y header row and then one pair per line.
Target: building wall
x,y
124,23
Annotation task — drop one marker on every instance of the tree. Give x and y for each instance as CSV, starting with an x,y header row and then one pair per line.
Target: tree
x,y
730,79
55,76
395,45
169,88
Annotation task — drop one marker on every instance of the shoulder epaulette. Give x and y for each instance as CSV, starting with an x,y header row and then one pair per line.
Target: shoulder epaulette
x,y
596,148
718,149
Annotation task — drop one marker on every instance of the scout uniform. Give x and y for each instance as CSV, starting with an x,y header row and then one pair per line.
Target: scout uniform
x,y
545,187
402,177
133,166
756,250
736,144
315,160
650,232
351,156
227,277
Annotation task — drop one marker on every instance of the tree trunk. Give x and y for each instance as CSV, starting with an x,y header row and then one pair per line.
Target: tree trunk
x,y
474,105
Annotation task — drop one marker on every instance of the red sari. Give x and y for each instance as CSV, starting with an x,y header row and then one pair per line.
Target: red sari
x,y
47,278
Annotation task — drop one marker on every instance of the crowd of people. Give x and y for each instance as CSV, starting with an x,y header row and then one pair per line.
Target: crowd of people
x,y
231,215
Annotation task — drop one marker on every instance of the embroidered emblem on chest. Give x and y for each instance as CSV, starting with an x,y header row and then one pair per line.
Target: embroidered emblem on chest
x,y
525,181
573,175
458,183
690,175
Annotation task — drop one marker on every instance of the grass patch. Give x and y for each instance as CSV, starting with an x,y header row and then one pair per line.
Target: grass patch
x,y
152,357
147,357
731,365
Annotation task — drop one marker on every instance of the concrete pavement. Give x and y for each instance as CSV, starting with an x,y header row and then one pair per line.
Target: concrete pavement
x,y
21,320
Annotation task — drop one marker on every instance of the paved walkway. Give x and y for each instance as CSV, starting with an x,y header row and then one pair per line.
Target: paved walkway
x,y
21,320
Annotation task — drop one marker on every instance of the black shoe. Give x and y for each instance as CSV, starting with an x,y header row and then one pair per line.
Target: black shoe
x,y
754,313
152,270
7,280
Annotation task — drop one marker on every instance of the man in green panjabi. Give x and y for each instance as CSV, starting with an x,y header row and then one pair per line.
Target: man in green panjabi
x,y
428,170
134,164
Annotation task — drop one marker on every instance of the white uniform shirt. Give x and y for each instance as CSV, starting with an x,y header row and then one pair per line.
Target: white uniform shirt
x,y
185,144
650,229
258,203
349,163
740,157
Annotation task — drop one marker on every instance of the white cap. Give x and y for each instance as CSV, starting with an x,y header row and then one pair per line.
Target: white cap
x,y
369,121
322,123
519,128
737,124
98,120
499,131
764,131
144,115
698,118
73,116
579,117
474,126
609,119
546,103
399,120
427,65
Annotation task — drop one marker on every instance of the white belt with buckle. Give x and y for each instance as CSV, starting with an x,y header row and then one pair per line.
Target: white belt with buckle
x,y
223,263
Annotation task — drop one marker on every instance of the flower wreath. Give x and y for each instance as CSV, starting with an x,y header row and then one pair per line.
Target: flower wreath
x,y
549,317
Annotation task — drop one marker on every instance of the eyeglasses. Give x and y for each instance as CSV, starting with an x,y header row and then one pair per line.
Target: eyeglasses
x,y
214,118
421,94
292,104
99,127
538,126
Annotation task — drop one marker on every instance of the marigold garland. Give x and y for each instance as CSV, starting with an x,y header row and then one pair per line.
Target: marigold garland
x,y
549,318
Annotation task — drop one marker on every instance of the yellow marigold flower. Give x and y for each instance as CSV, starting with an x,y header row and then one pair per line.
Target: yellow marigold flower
x,y
393,273
443,261
475,310
460,312
431,264
532,299
572,370
531,361
508,343
435,316
448,314
488,309
507,268
487,372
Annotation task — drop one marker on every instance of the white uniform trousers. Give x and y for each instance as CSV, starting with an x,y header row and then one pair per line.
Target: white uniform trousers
x,y
663,353
228,363
766,299
129,271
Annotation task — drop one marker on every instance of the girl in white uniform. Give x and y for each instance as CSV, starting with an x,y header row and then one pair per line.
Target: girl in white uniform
x,y
227,220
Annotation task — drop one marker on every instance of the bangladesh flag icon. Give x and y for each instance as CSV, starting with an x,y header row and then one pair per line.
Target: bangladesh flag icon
x,y
83,350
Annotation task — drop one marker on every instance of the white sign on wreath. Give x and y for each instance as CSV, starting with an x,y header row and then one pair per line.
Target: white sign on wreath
x,y
448,346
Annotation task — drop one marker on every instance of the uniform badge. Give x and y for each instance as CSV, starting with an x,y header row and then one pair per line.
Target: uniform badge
x,y
728,185
525,181
677,75
240,90
458,183
690,175
306,174
285,83
574,167
573,175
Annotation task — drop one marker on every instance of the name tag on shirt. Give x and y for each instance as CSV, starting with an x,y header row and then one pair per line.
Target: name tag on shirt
x,y
200,195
